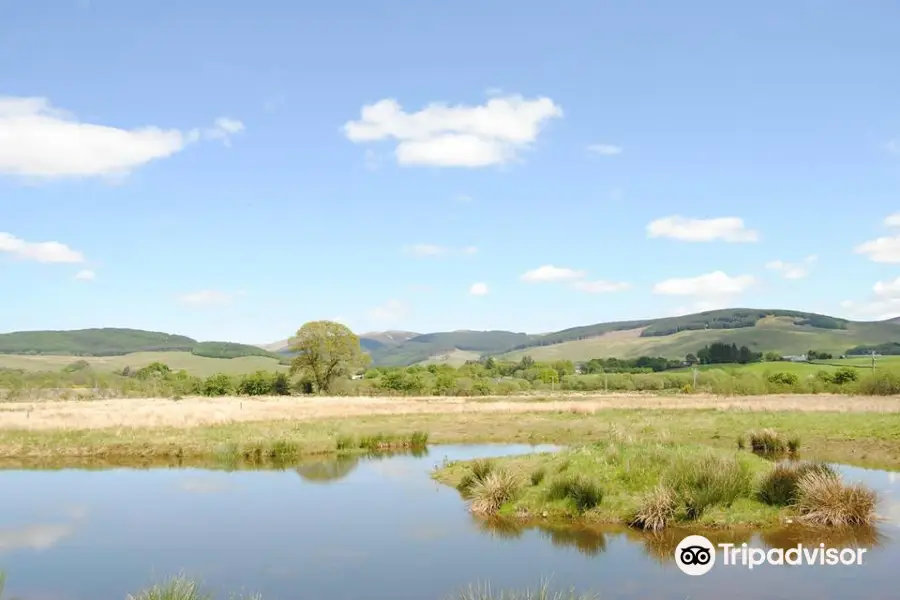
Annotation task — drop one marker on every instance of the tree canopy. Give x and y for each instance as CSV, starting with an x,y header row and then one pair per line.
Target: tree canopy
x,y
326,350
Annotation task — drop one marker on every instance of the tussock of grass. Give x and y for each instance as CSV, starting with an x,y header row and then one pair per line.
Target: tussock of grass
x,y
768,442
537,476
584,493
657,509
479,469
492,492
824,499
176,588
779,486
708,480
484,592
182,588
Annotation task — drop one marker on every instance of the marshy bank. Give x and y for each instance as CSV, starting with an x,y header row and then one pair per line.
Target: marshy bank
x,y
155,429
300,530
653,486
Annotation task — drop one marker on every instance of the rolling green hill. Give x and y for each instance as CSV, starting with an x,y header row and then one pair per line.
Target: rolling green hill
x,y
762,330
118,342
777,330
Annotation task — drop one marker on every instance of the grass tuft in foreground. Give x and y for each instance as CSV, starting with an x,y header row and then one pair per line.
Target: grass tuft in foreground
x,y
484,592
823,498
176,588
657,509
496,489
480,468
779,487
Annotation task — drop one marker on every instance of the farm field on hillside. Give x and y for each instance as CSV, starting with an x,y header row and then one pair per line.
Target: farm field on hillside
x,y
769,335
200,366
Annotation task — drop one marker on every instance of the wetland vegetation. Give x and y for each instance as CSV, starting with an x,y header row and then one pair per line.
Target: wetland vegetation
x,y
652,486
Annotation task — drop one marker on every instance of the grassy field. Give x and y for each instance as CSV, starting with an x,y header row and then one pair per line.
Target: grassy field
x,y
777,334
842,429
863,364
200,366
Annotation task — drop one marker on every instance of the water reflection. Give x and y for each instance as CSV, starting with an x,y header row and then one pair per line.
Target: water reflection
x,y
324,471
380,518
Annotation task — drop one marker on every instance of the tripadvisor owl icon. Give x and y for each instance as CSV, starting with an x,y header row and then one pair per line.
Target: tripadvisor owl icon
x,y
695,555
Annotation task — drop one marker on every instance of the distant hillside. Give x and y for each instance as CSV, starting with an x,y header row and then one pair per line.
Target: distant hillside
x,y
785,331
423,347
762,330
118,342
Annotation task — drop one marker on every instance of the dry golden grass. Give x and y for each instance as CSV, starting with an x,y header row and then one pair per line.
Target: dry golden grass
x,y
199,411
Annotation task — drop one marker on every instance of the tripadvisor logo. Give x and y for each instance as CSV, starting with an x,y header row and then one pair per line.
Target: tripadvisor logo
x,y
696,555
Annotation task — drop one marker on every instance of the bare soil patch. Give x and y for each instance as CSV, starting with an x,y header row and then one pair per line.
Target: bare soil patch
x,y
199,411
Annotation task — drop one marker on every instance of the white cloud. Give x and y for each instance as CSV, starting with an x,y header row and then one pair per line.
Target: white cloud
x,y
455,136
716,285
726,229
463,198
434,250
881,250
209,297
390,311
884,249
42,252
86,275
551,273
604,149
893,146
793,270
478,289
427,250
884,302
223,129
600,286
892,220
40,141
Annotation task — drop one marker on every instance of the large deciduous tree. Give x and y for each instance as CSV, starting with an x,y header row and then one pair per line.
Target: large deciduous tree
x,y
326,350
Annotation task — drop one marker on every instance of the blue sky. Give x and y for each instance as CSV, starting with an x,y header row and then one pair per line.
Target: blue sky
x,y
230,170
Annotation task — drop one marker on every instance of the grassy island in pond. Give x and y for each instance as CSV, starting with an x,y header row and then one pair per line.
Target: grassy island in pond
x,y
653,486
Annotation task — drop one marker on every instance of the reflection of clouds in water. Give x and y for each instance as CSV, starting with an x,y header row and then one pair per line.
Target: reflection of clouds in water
x,y
75,512
893,477
891,512
202,485
395,470
34,537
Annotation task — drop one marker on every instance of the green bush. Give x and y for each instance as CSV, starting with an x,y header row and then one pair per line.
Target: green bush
x,y
219,384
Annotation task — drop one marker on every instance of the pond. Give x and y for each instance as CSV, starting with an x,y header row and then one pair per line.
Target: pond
x,y
363,529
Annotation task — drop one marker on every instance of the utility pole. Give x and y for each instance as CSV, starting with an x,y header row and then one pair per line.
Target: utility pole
x,y
695,378
873,362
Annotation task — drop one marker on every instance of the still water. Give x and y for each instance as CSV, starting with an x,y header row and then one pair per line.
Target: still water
x,y
364,529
